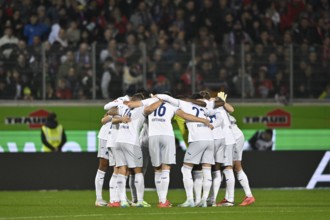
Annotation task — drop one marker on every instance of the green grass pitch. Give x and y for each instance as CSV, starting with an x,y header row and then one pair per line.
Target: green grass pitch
x,y
270,204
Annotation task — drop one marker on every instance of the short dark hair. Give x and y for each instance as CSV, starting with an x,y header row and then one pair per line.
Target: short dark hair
x,y
196,96
205,94
137,97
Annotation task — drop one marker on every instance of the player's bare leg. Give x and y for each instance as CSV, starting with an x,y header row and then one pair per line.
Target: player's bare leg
x,y
99,180
244,181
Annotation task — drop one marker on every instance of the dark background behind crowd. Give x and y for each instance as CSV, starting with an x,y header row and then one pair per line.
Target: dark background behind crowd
x,y
56,37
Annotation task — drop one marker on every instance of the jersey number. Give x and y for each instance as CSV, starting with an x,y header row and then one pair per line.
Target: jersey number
x,y
128,112
160,111
198,110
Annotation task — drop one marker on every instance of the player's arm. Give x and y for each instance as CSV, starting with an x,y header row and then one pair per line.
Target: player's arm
x,y
124,119
223,96
109,115
106,118
196,102
150,108
133,104
229,108
169,99
136,104
114,103
192,118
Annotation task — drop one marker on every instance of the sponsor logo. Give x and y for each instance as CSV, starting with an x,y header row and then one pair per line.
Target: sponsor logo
x,y
277,118
34,120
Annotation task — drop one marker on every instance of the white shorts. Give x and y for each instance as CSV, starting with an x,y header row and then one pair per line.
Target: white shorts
x,y
238,149
162,150
200,152
128,155
102,149
219,150
112,161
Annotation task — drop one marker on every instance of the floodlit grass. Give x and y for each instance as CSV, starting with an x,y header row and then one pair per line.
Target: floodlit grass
x,y
270,204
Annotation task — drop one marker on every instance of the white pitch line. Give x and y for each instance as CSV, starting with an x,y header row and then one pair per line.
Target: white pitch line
x,y
156,213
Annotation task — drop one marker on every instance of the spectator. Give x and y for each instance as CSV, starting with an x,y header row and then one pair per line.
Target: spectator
x,y
111,51
264,86
34,29
163,13
17,24
83,57
120,22
73,34
63,91
233,39
116,83
8,42
141,16
243,80
108,73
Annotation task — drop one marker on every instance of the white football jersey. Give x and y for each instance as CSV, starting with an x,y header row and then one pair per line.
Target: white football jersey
x,y
217,131
115,128
197,131
209,104
160,120
129,132
105,131
116,102
227,128
236,131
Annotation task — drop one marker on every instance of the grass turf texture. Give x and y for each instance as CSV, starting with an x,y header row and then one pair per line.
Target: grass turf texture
x,y
270,204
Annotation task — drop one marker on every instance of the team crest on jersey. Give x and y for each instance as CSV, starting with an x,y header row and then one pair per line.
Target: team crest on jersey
x,y
277,118
34,120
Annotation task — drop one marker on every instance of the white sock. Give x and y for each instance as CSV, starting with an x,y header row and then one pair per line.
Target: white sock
x,y
158,176
216,176
207,182
99,180
132,187
188,181
121,183
165,181
198,185
243,180
113,189
139,186
230,182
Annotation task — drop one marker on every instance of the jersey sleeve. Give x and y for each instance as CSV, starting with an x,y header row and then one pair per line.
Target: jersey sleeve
x,y
149,101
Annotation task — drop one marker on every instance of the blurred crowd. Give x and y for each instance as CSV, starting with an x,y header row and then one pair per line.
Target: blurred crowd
x,y
242,47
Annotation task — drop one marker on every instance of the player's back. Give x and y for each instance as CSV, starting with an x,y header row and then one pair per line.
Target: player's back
x,y
129,132
197,131
160,120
